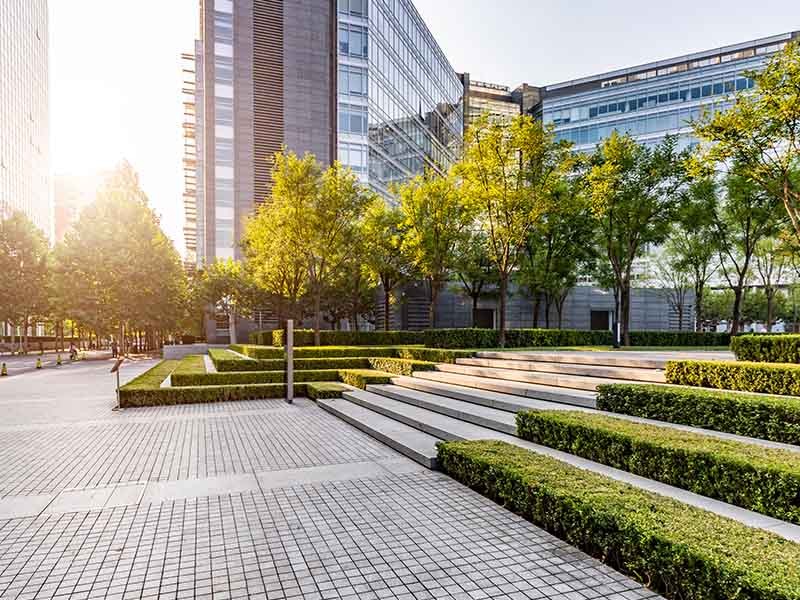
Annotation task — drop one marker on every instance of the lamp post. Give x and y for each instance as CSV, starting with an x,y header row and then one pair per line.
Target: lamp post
x,y
290,361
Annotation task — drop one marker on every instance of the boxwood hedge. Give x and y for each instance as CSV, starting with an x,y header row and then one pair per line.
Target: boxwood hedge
x,y
764,480
257,351
305,337
361,378
767,378
192,364
775,418
205,394
678,550
400,366
436,355
249,377
153,377
324,389
767,348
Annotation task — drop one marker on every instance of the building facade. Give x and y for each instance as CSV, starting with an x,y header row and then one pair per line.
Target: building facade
x,y
359,81
25,183
652,100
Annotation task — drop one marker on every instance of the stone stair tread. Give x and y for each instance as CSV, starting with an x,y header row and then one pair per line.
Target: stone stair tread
x,y
638,374
578,382
410,441
476,414
506,402
606,359
515,388
449,428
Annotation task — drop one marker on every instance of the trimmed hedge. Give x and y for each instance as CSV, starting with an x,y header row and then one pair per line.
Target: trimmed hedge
x,y
775,418
361,378
436,355
400,366
315,363
257,351
250,377
767,348
515,338
761,479
205,394
345,352
305,337
679,338
193,364
325,389
766,378
678,550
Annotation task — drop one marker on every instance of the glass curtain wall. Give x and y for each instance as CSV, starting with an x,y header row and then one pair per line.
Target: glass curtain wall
x,y
224,173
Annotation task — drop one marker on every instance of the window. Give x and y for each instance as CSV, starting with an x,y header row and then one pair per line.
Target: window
x,y
353,40
352,119
354,156
353,7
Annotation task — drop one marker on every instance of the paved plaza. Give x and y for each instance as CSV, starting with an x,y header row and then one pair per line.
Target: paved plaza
x,y
246,500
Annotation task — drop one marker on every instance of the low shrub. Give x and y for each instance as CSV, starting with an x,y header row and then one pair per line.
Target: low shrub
x,y
679,338
275,364
775,418
345,352
435,355
400,366
325,389
204,394
767,378
361,378
761,479
515,338
305,337
767,348
265,352
250,377
679,550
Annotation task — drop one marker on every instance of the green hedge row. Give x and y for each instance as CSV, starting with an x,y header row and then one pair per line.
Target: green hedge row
x,y
257,351
250,377
767,348
679,338
325,389
361,378
766,378
774,418
400,366
761,479
153,377
305,337
436,355
192,364
515,338
678,550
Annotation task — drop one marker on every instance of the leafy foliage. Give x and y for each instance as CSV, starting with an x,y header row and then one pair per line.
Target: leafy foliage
x,y
766,378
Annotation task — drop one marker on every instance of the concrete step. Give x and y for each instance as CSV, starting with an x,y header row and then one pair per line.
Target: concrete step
x,y
575,382
640,360
647,375
445,427
410,441
514,388
477,414
455,394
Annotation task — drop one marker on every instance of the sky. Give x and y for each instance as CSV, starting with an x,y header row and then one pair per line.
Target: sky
x,y
116,74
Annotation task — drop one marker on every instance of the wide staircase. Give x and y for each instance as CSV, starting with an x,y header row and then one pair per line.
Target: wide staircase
x,y
478,398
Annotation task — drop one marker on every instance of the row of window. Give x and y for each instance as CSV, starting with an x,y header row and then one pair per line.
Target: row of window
x,y
661,123
672,96
353,40
356,8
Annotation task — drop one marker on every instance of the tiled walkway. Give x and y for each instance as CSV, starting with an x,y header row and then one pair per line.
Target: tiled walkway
x,y
247,500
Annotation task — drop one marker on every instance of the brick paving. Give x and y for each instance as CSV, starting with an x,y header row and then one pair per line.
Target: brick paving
x,y
406,533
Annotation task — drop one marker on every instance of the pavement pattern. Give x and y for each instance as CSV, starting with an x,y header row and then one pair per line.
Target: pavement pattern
x,y
251,499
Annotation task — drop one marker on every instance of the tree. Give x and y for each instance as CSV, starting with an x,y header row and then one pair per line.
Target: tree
x,y
226,286
746,216
718,305
381,234
772,262
634,190
693,243
116,270
24,254
474,269
435,220
557,250
760,133
674,280
507,176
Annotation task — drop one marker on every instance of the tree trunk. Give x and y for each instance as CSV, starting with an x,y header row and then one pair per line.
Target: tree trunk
x,y
625,312
317,316
698,307
502,308
680,316
232,326
737,308
770,308
386,307
548,301
537,302
434,296
474,310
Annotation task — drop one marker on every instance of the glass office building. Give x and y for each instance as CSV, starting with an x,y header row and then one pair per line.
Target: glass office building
x,y
655,99
24,112
399,102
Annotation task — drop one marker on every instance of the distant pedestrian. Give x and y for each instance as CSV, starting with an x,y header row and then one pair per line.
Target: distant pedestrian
x,y
114,349
73,351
